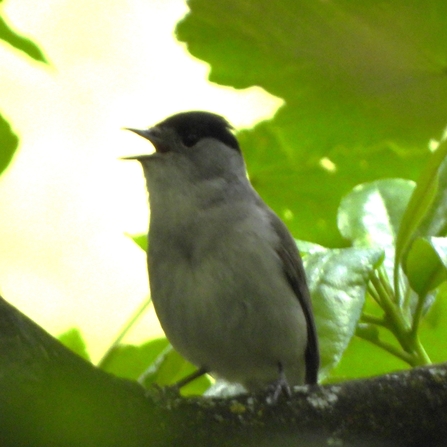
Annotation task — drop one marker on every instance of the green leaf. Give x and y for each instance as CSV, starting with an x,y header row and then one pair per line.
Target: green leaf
x,y
140,240
153,362
354,73
293,181
433,327
73,340
370,215
368,331
426,264
363,85
426,214
337,281
439,244
306,248
170,367
19,42
130,362
8,144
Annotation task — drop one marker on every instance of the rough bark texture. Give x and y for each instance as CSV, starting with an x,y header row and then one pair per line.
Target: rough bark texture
x,y
51,397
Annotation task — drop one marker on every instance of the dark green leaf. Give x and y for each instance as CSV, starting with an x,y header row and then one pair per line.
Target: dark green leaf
x,y
426,264
8,144
368,331
72,339
426,214
337,282
19,42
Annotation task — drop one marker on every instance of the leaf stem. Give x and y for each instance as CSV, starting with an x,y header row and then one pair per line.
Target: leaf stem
x,y
422,356
396,279
371,319
384,281
395,321
374,295
126,328
398,325
418,313
399,353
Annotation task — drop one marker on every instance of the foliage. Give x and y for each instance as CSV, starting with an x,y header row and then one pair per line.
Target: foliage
x,y
346,163
8,143
8,139
364,85
19,42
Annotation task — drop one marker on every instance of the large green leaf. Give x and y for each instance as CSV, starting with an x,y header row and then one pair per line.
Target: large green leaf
x,y
337,283
368,71
19,42
364,85
8,144
370,215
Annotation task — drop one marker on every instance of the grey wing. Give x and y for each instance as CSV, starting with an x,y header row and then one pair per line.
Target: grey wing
x,y
294,271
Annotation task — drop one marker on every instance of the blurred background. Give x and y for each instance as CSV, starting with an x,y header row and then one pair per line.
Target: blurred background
x,y
67,201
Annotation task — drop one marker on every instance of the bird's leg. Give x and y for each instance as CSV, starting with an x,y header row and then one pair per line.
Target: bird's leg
x,y
278,387
173,391
196,374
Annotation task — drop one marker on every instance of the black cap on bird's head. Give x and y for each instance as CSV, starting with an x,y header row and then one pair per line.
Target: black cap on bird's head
x,y
189,128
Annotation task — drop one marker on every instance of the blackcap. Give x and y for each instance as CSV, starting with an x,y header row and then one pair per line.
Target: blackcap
x,y
226,278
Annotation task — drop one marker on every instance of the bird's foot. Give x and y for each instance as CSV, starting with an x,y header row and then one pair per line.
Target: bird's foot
x,y
278,387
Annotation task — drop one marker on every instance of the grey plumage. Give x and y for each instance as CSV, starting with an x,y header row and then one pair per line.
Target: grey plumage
x,y
226,277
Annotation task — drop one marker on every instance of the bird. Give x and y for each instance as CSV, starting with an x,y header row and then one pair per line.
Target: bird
x,y
226,278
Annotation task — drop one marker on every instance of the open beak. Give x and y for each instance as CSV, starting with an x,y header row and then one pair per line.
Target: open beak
x,y
155,136
148,134
145,133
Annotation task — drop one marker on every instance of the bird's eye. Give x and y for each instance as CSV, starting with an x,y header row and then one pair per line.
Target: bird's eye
x,y
190,139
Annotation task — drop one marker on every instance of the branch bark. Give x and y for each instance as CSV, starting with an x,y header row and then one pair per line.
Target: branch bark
x,y
51,397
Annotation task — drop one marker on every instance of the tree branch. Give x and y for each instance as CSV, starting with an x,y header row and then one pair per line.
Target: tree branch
x,y
50,396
